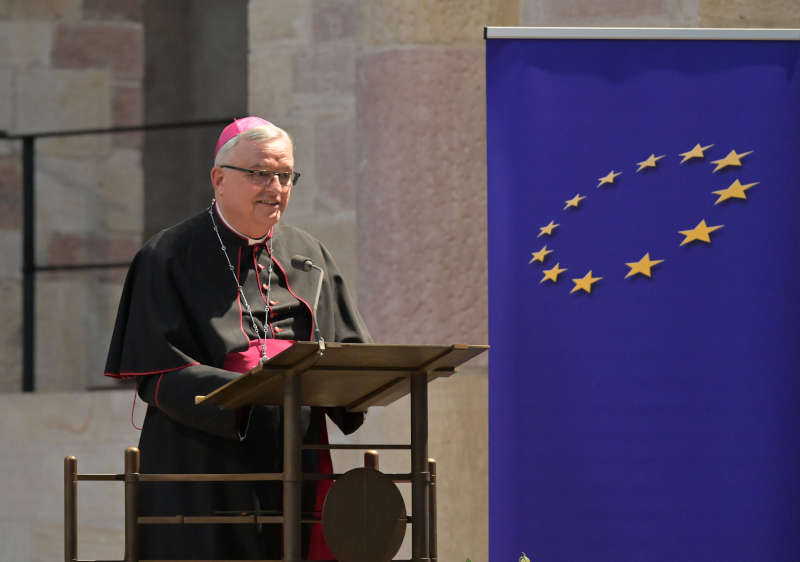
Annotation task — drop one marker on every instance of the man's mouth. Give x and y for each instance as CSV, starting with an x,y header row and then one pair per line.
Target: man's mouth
x,y
268,202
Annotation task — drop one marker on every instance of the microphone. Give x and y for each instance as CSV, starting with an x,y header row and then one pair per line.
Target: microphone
x,y
305,264
302,262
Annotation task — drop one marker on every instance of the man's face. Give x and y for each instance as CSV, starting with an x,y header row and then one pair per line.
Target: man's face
x,y
249,207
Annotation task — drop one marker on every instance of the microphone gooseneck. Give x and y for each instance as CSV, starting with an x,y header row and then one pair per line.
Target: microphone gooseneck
x,y
305,264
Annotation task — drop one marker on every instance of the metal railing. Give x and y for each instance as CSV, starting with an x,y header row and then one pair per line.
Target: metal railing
x,y
29,266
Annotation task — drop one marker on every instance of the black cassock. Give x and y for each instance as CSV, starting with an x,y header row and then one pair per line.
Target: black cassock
x,y
180,323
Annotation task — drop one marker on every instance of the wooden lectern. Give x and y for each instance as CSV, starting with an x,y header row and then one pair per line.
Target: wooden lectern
x,y
355,376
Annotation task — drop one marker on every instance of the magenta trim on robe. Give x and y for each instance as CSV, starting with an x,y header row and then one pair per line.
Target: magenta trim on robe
x,y
128,375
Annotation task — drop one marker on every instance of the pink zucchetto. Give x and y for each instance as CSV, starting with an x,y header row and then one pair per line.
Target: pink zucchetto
x,y
239,126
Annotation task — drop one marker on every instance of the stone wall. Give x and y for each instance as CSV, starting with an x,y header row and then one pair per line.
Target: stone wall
x,y
773,14
39,431
69,64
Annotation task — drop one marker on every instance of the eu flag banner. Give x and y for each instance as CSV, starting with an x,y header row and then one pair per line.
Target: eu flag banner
x,y
644,308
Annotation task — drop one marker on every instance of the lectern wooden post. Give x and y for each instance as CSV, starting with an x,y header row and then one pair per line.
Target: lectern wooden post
x,y
355,376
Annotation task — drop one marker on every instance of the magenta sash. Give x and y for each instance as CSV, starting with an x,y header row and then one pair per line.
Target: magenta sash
x,y
243,361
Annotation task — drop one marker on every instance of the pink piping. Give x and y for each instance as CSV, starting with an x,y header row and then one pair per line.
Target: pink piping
x,y
142,373
133,407
158,385
295,294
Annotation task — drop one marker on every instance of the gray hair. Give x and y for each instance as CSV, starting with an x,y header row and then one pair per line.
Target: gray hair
x,y
263,133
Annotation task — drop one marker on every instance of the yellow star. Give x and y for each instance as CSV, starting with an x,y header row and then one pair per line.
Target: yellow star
x,y
732,159
697,152
735,191
642,266
547,229
540,255
574,201
699,232
649,163
585,283
552,274
608,178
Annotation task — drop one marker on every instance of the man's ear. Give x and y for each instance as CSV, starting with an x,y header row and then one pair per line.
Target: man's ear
x,y
216,179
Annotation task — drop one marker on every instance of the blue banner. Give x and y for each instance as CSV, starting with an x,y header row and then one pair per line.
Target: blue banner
x,y
644,317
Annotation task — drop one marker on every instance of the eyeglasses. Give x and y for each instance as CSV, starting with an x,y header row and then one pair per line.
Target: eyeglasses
x,y
265,177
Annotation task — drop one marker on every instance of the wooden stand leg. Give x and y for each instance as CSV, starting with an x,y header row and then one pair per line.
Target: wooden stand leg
x,y
432,506
292,469
131,504
371,459
419,467
70,509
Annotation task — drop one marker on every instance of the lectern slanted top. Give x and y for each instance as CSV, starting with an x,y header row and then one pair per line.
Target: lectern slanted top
x,y
353,375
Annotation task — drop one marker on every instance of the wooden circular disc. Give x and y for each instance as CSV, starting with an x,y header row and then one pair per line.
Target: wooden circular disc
x,y
364,517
